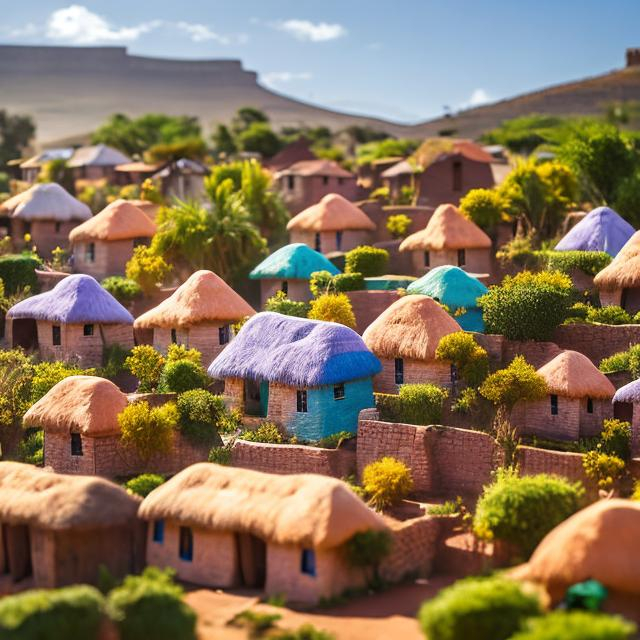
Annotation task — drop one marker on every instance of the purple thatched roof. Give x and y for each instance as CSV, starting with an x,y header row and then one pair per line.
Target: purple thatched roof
x,y
629,393
76,299
600,230
296,352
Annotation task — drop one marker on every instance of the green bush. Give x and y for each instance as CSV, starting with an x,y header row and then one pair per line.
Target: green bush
x,y
589,262
124,290
522,510
47,374
151,606
576,625
478,609
148,430
55,614
386,482
604,468
31,447
18,272
398,225
266,432
333,307
615,438
471,360
367,548
113,358
280,303
578,311
348,282
608,315
335,439
528,306
200,411
144,484
623,361
323,282
179,376
414,404
146,364
221,455
369,261
484,206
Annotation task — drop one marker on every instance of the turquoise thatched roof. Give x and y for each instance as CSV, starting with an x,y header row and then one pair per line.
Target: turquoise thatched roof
x,y
294,261
456,289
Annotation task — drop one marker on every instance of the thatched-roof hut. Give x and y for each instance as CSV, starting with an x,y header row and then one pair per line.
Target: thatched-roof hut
x,y
309,376
58,530
183,179
449,239
74,321
45,211
626,406
198,314
457,290
619,282
333,224
103,245
579,399
288,270
228,527
96,162
405,338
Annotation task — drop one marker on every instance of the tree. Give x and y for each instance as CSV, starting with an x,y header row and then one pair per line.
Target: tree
x,y
223,141
192,148
245,117
260,138
16,132
147,268
16,375
57,171
483,206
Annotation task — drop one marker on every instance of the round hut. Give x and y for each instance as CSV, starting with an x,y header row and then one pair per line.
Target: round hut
x,y
619,282
198,314
333,224
45,211
103,245
626,406
289,270
449,239
457,290
74,321
405,337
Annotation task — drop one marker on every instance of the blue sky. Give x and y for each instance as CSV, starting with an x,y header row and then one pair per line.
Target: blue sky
x,y
404,60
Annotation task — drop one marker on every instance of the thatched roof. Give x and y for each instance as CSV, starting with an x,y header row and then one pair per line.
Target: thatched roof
x,y
120,220
39,160
573,375
434,150
628,393
302,509
183,166
45,201
410,328
99,155
600,543
447,229
624,270
293,261
75,299
204,297
297,151
47,500
296,352
600,230
317,167
332,213
79,404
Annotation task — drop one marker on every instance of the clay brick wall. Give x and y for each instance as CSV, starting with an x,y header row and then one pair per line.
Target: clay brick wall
x,y
476,260
110,258
379,214
415,371
534,418
308,190
368,305
502,351
45,236
290,458
297,290
203,337
597,341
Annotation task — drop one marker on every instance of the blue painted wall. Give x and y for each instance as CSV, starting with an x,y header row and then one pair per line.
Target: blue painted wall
x,y
326,416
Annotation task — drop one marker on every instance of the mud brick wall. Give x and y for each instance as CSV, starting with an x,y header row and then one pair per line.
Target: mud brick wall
x,y
597,341
290,458
502,351
368,305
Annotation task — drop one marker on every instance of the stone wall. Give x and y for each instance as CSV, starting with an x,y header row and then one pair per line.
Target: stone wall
x,y
368,305
502,351
597,341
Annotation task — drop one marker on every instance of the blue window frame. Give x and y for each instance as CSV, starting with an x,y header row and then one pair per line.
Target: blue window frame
x,y
399,371
308,562
158,531
186,544
554,404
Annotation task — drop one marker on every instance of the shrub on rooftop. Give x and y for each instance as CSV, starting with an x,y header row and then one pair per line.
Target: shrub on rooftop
x,y
369,261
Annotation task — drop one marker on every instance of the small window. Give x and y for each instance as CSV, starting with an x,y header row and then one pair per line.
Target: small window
x,y
399,371
554,405
224,334
338,392
308,562
90,252
462,257
174,336
76,444
325,180
58,227
56,335
457,176
427,260
453,373
186,544
141,242
338,240
318,244
87,330
291,182
158,531
285,288
301,401
589,405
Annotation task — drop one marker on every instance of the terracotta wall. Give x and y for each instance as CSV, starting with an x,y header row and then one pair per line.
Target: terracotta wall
x,y
351,238
502,351
597,341
308,190
203,337
296,290
46,235
368,305
477,261
415,371
419,215
110,258
534,418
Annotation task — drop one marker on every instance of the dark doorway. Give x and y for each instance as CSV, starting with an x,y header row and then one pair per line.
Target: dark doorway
x,y
252,552
623,411
256,397
18,545
25,333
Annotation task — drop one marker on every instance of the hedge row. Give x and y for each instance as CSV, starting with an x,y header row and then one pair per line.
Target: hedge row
x,y
18,272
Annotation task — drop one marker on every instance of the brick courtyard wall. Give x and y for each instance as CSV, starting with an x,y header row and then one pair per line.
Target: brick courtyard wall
x,y
368,305
415,371
502,351
597,341
203,337
477,260
534,418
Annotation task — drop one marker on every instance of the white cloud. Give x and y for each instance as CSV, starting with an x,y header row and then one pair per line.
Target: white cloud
x,y
29,29
312,31
201,32
478,97
274,78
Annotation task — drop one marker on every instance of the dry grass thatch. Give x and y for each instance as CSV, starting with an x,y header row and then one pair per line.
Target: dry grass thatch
x,y
45,201
79,404
435,149
47,500
317,167
624,270
121,220
410,328
573,375
204,297
447,229
332,213
302,509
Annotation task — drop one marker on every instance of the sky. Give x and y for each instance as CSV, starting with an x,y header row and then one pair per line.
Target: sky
x,y
406,60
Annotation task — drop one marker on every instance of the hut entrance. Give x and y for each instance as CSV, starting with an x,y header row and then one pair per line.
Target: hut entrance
x,y
630,300
25,333
17,551
623,411
256,398
252,552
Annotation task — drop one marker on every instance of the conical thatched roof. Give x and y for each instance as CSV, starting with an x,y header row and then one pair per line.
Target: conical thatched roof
x,y
447,229
573,375
293,261
628,393
317,167
332,213
45,201
434,150
410,328
79,404
599,543
624,270
99,155
121,220
47,500
204,297
302,509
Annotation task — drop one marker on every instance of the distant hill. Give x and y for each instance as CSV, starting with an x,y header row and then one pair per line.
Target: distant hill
x,y
71,90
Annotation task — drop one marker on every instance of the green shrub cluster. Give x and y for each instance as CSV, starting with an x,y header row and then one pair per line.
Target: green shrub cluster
x,y
280,303
144,484
124,290
31,447
179,376
323,282
386,482
368,261
398,225
576,625
221,455
146,364
333,307
18,272
589,262
606,469
628,360
367,548
114,357
608,315
267,432
200,412
615,438
518,381
148,430
47,374
470,359
414,404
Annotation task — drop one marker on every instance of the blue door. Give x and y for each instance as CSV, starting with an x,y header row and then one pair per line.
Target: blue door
x,y
264,398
